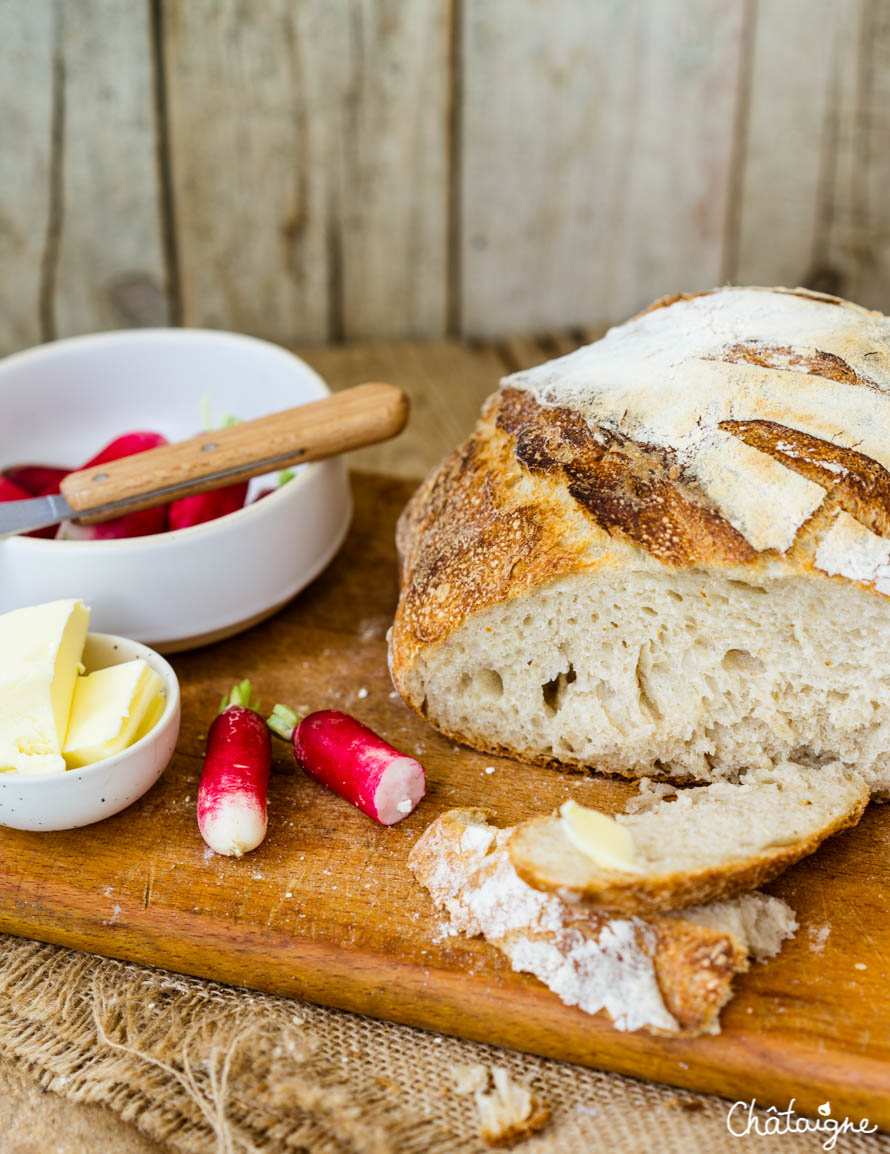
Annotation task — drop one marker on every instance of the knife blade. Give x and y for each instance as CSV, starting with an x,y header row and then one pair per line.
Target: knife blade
x,y
362,415
35,513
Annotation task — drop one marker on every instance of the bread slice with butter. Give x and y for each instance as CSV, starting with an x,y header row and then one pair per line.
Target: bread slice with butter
x,y
667,554
693,845
665,973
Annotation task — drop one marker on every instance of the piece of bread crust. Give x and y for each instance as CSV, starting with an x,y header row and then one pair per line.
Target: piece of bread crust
x,y
764,511
510,1113
704,844
665,974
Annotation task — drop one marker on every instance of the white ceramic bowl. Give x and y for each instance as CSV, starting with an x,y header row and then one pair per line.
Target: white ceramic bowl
x,y
79,797
60,402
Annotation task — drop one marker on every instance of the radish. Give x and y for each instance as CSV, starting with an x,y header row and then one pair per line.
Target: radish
x,y
235,778
353,761
217,502
126,445
143,523
206,506
38,480
43,480
10,491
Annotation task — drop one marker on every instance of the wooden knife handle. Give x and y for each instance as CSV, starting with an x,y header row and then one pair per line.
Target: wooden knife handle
x,y
347,420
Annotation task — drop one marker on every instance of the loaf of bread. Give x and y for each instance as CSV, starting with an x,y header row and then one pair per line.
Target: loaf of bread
x,y
668,553
698,844
666,973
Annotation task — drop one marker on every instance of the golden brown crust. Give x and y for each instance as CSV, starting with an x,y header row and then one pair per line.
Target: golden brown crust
x,y
694,971
627,489
577,879
510,1113
470,537
465,541
518,1131
815,362
852,482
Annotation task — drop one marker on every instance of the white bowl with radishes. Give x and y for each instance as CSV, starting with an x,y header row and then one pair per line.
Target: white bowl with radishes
x,y
78,797
61,402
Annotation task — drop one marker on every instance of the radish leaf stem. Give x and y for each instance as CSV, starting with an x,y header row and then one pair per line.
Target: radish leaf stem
x,y
283,721
240,694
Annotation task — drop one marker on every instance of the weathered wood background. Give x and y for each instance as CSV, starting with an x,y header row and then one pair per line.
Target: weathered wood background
x,y
311,170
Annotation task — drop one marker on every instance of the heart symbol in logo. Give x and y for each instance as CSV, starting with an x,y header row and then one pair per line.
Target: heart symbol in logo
x,y
825,1109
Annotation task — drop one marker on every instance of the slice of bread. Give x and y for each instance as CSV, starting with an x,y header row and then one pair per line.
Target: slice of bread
x,y
667,554
666,974
700,844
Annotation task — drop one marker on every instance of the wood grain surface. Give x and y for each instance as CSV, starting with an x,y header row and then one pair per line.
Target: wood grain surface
x,y
309,171
582,222
81,230
326,910
308,157
446,382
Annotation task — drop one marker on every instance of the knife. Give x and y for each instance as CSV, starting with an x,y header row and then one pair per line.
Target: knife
x,y
347,420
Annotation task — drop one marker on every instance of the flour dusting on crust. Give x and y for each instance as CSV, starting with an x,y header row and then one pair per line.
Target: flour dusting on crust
x,y
850,550
667,974
673,376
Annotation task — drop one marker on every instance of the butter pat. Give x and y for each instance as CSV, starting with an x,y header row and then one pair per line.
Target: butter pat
x,y
598,837
112,708
40,651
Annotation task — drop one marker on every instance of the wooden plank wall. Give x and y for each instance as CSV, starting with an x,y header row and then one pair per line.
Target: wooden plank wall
x,y
319,170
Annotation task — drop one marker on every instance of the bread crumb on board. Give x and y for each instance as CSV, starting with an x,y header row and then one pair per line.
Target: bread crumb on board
x,y
469,1079
690,1105
509,1112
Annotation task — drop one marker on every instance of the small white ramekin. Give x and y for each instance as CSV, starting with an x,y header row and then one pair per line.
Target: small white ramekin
x,y
77,797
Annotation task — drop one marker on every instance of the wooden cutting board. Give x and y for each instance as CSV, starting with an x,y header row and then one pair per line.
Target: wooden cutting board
x,y
326,909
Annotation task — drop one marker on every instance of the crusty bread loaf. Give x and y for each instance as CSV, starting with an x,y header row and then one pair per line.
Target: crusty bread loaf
x,y
667,554
700,844
667,974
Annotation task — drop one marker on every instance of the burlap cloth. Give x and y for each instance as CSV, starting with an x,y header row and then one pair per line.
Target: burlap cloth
x,y
200,1067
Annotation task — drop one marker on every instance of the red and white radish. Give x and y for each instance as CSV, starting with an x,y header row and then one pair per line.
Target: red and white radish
x,y
353,761
235,779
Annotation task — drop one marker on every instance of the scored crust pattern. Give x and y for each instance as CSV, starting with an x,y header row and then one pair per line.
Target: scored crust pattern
x,y
743,429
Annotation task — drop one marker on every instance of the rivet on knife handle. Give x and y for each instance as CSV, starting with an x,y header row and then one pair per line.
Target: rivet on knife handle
x,y
347,420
